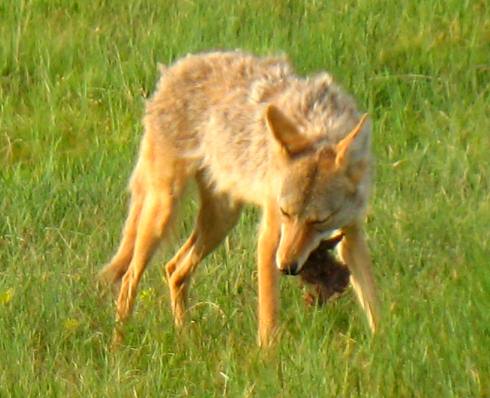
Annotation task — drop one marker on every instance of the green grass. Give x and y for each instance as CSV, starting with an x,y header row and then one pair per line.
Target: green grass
x,y
73,77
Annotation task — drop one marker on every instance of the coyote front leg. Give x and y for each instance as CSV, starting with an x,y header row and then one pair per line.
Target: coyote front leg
x,y
268,277
354,252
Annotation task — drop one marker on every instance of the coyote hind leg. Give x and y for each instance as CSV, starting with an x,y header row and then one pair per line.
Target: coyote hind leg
x,y
159,196
117,267
217,215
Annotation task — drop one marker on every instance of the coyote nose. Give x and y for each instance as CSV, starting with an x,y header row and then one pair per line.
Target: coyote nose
x,y
290,269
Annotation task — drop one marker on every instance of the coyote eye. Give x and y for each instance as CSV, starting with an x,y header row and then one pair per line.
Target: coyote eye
x,y
324,220
321,221
285,213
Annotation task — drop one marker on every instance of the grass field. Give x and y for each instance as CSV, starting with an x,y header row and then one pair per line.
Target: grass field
x,y
73,78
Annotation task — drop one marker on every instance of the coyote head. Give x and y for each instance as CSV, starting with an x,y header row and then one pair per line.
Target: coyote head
x,y
323,185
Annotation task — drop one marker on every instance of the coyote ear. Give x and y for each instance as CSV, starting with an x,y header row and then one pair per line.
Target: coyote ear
x,y
284,131
357,170
327,156
344,145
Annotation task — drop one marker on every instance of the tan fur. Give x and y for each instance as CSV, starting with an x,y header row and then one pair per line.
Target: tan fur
x,y
248,130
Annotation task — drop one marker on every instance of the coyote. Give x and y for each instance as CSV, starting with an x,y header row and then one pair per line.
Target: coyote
x,y
248,130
